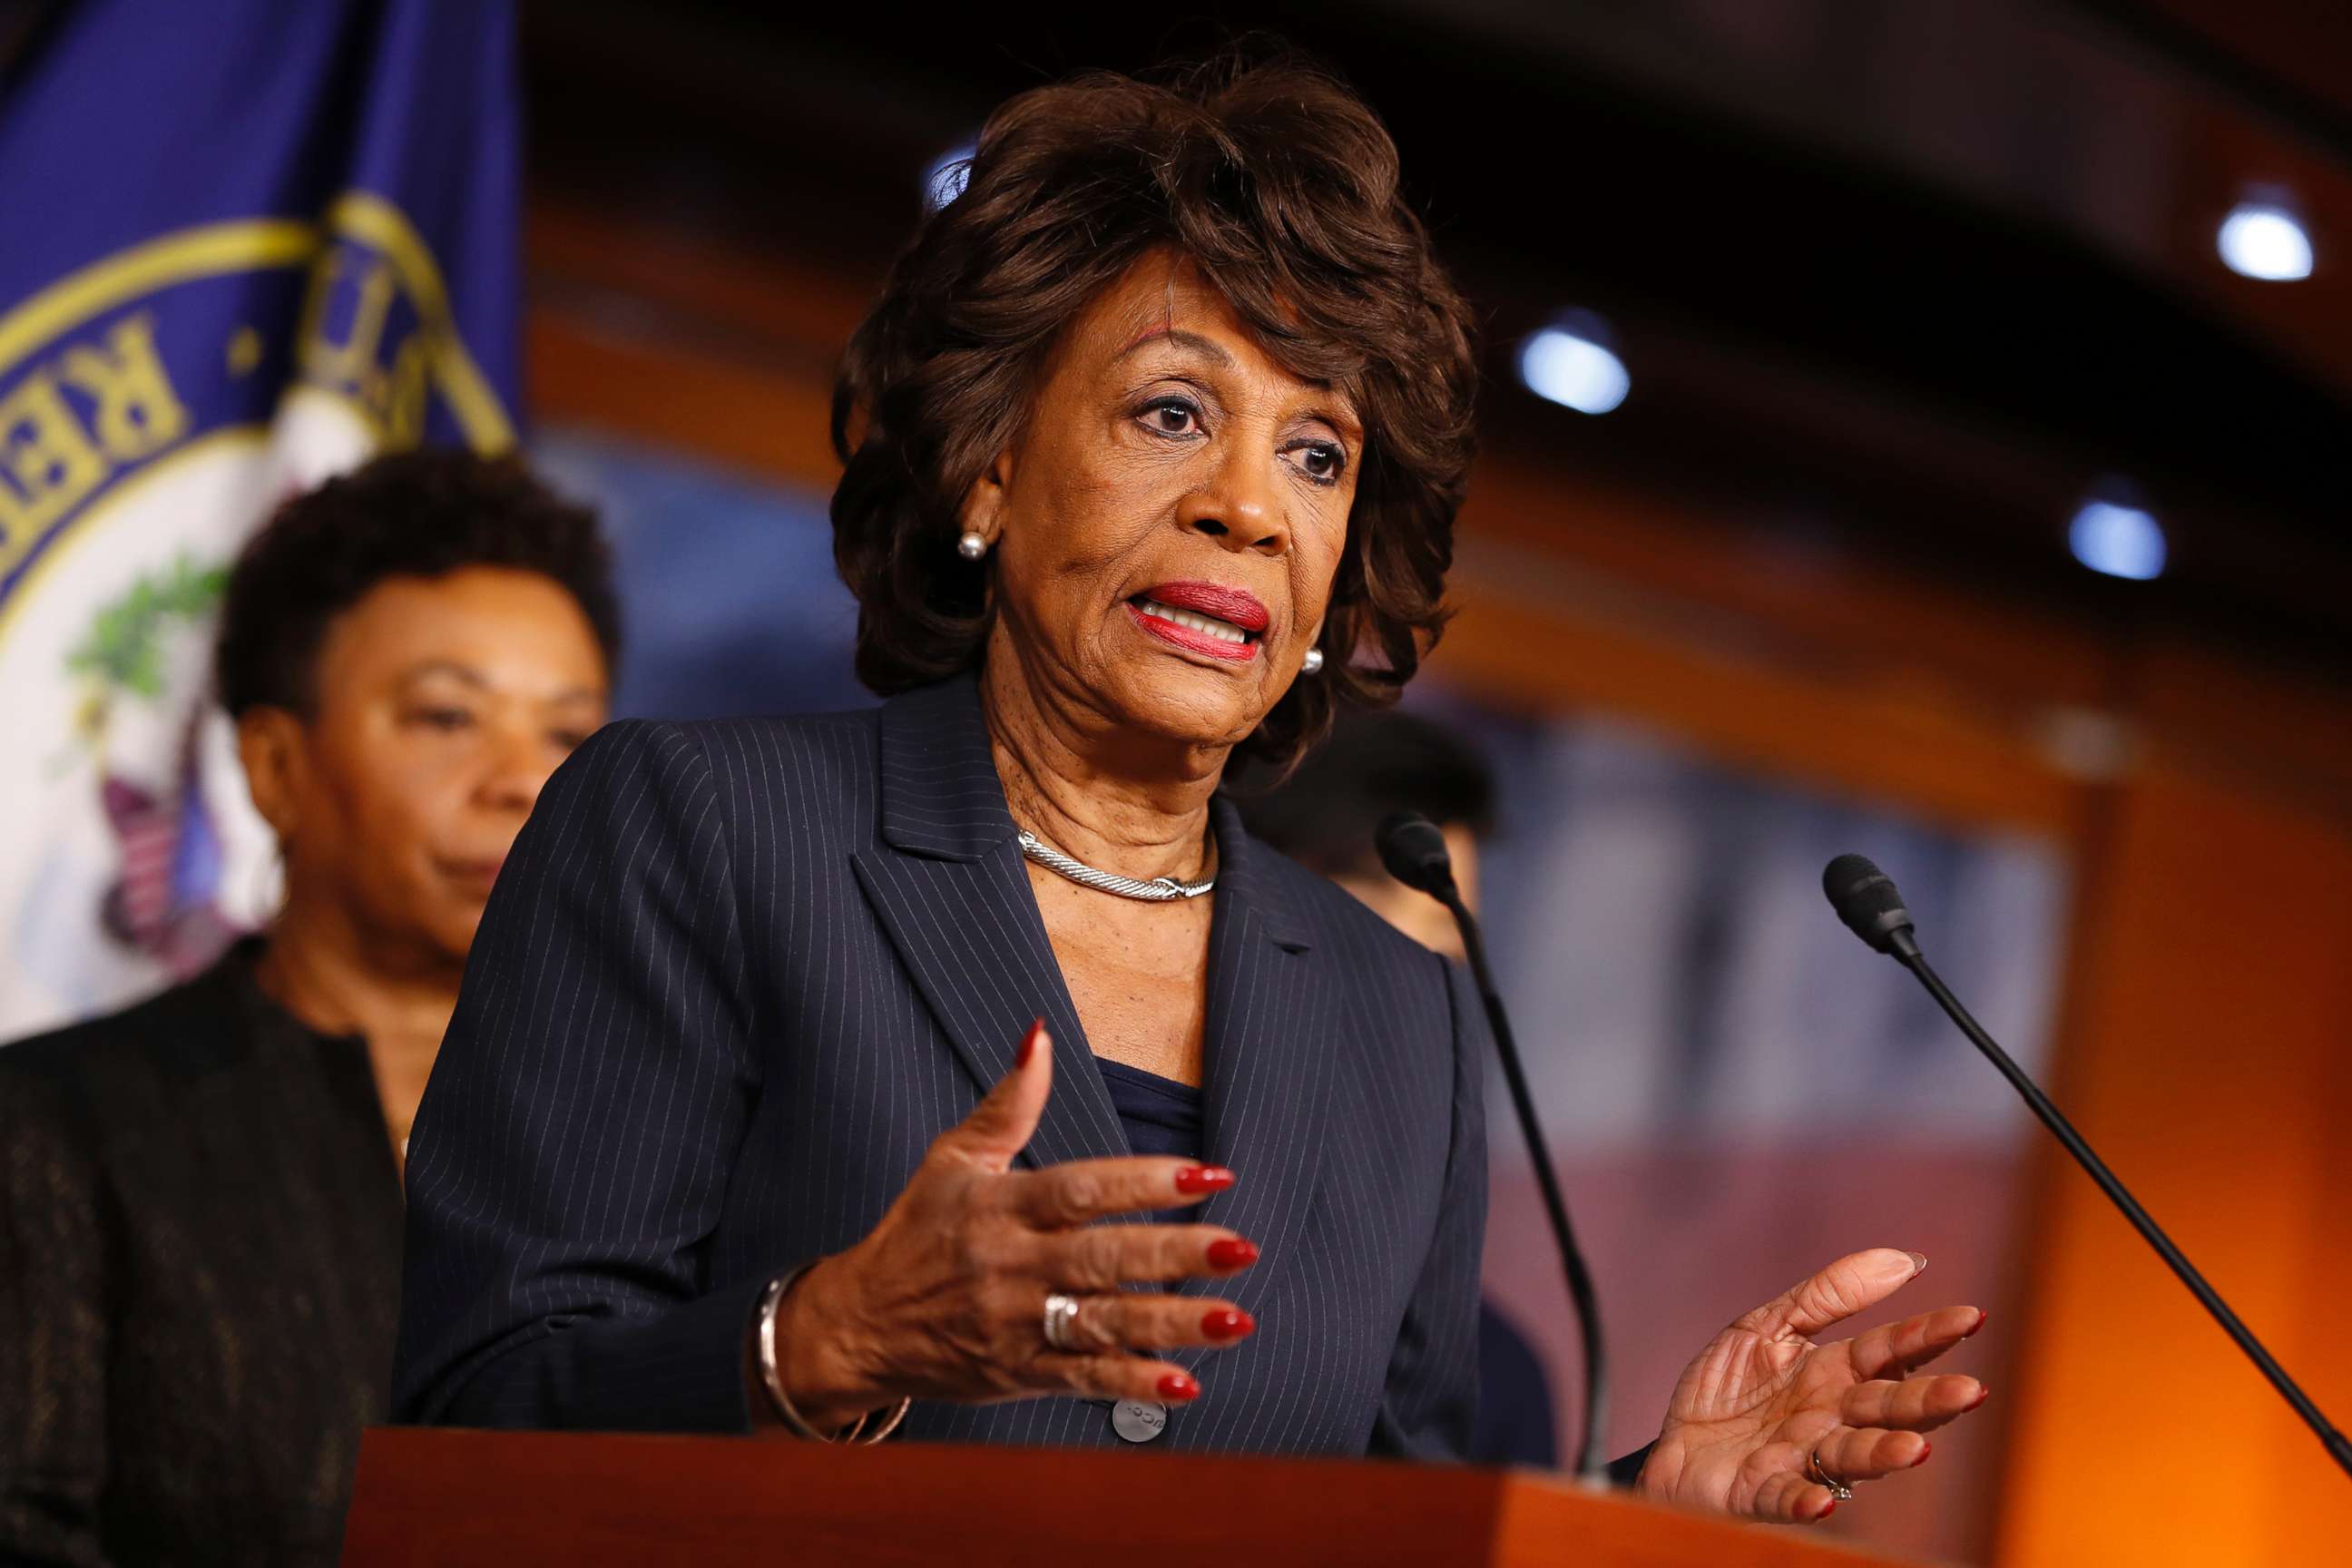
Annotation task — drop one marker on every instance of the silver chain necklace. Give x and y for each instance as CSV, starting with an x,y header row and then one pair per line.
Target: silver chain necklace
x,y
1159,891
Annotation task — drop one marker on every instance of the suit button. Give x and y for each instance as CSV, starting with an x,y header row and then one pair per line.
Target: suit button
x,y
1138,1420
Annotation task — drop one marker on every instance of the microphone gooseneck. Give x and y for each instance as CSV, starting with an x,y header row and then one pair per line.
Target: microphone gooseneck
x,y
1865,899
1413,849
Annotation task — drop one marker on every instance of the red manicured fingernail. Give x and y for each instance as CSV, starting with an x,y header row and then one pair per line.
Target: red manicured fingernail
x,y
1926,1448
1028,1044
1194,1179
1984,1392
1227,1324
1982,1318
1828,1508
1234,1253
1178,1388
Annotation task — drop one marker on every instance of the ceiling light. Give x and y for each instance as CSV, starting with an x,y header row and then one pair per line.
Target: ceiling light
x,y
2262,238
944,180
1572,364
2115,534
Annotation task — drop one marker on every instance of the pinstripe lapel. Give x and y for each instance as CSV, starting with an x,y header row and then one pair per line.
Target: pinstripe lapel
x,y
948,883
1271,1054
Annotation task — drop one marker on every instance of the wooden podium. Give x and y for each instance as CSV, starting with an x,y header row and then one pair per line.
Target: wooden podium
x,y
485,1500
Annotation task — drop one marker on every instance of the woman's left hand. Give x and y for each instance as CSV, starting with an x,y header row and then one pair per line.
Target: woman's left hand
x,y
1755,1408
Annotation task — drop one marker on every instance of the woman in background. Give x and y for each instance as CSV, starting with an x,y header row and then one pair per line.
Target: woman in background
x,y
200,1208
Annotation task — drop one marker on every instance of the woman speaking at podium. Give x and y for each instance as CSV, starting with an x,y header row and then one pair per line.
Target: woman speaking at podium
x,y
801,1062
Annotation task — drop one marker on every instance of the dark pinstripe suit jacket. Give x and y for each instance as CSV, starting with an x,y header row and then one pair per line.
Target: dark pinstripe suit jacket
x,y
735,976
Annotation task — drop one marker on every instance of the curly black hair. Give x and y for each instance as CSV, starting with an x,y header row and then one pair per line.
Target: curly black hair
x,y
422,513
1280,186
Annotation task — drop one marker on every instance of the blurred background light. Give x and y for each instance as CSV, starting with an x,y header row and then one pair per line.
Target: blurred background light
x,y
943,182
2263,238
1572,364
2114,535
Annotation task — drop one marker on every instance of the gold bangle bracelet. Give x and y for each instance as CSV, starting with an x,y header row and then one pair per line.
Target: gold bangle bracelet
x,y
770,1300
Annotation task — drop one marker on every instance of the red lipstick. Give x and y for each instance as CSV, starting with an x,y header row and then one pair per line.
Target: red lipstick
x,y
1190,640
1231,606
1165,610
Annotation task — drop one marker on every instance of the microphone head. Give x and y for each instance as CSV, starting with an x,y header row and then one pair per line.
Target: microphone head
x,y
1414,851
1865,899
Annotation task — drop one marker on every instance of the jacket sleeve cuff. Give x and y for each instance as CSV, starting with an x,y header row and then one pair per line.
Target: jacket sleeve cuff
x,y
1624,1472
681,1371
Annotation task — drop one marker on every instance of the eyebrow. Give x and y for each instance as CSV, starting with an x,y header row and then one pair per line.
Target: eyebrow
x,y
447,667
1214,353
474,678
1340,417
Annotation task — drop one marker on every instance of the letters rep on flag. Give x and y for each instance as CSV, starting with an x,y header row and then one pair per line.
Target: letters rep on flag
x,y
249,243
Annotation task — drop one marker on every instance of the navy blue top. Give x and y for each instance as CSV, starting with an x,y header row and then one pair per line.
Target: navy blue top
x,y
1515,1415
1160,1116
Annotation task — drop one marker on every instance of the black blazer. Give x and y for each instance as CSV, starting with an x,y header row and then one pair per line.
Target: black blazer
x,y
200,1236
735,976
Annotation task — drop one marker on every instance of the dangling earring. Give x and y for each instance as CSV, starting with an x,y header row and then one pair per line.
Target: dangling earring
x,y
971,546
1313,663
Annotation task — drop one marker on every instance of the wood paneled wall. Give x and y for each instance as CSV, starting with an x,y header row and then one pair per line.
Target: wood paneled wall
x,y
2207,1054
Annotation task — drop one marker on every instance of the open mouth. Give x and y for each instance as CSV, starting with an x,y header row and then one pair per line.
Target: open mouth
x,y
1182,614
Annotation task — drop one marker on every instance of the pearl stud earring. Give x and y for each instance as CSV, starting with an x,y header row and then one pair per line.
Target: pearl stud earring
x,y
971,546
1313,663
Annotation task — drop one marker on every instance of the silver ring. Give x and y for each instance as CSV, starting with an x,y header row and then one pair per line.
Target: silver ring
x,y
1820,1476
1062,1321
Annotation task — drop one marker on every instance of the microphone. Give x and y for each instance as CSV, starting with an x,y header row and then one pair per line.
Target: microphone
x,y
1414,851
1865,899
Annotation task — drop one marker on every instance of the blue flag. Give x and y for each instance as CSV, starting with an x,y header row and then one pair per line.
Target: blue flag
x,y
243,244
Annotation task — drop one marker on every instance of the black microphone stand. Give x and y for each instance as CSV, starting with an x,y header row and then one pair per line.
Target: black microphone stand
x,y
1589,1465
1904,950
1865,899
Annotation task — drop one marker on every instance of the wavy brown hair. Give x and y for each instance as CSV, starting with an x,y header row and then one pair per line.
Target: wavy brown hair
x,y
1279,185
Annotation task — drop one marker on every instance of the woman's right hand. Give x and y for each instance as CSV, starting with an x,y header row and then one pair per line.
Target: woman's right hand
x,y
945,1299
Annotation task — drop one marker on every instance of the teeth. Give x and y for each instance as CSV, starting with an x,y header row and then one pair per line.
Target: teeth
x,y
1221,630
